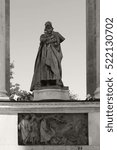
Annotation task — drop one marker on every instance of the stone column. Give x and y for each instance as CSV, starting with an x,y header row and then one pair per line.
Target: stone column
x,y
93,47
4,42
7,44
97,91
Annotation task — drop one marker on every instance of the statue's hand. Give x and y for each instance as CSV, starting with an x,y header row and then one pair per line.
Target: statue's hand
x,y
43,38
50,40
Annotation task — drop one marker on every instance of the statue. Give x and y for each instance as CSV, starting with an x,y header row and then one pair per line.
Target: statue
x,y
47,70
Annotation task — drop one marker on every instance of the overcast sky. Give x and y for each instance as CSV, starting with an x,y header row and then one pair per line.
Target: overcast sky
x,y
27,19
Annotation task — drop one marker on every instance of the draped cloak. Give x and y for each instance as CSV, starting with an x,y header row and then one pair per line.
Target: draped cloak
x,y
48,61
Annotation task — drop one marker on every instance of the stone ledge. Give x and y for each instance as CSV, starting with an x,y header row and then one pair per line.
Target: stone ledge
x,y
49,107
49,147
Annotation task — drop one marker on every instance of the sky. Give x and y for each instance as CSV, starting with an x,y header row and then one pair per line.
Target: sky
x,y
68,17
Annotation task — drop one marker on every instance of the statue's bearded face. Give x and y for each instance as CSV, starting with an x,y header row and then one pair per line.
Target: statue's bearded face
x,y
49,30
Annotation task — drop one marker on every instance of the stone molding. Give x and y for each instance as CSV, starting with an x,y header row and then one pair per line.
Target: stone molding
x,y
50,147
48,107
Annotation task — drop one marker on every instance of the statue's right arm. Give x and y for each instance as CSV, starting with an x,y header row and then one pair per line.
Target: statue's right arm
x,y
43,38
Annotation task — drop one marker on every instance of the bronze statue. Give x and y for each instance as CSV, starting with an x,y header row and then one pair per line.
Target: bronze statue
x,y
47,70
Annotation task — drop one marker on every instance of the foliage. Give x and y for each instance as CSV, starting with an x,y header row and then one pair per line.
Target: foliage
x,y
73,96
16,94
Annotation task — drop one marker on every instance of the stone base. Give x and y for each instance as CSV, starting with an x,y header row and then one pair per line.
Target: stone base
x,y
4,98
9,123
51,93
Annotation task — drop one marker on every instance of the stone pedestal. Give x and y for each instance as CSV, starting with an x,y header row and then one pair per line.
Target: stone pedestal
x,y
51,93
9,113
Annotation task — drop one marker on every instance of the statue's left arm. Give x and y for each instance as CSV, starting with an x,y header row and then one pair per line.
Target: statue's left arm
x,y
61,38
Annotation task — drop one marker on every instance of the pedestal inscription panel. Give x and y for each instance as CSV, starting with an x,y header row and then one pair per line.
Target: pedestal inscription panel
x,y
52,129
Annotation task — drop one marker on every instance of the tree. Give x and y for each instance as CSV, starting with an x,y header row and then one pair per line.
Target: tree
x,y
73,96
16,94
14,88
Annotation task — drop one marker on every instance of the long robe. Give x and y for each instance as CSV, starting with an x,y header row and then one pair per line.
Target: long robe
x,y
48,61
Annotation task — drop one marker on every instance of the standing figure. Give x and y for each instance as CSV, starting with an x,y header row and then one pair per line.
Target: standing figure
x,y
47,70
46,132
24,127
34,135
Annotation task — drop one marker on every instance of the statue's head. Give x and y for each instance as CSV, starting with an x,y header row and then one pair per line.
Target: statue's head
x,y
48,27
26,117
